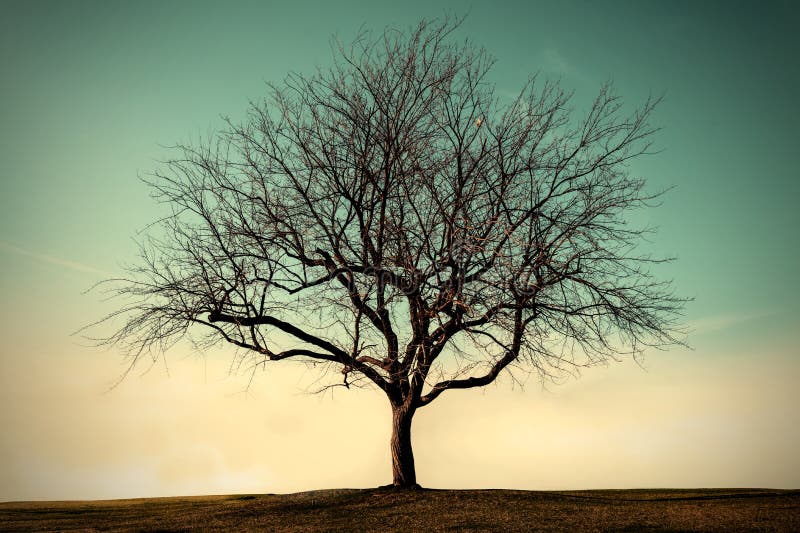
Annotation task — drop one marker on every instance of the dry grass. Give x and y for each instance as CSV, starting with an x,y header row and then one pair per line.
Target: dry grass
x,y
424,510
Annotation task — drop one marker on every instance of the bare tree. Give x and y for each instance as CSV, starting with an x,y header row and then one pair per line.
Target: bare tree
x,y
393,218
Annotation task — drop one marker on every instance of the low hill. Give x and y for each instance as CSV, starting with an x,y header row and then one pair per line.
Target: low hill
x,y
424,510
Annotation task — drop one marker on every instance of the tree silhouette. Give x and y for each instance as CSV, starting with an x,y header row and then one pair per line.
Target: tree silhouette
x,y
393,218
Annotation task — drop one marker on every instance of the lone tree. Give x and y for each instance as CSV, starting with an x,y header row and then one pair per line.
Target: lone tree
x,y
394,219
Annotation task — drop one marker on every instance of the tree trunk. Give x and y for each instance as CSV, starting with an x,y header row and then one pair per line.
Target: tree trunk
x,y
403,472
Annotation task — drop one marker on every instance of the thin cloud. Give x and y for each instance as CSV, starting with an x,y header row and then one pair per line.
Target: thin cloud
x,y
553,61
721,322
44,258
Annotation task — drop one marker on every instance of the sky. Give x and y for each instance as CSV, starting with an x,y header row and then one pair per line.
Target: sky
x,y
92,94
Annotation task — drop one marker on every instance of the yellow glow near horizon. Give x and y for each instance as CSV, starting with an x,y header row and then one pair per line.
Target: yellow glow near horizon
x,y
194,432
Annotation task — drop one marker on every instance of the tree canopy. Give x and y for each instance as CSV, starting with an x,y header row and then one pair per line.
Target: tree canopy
x,y
393,217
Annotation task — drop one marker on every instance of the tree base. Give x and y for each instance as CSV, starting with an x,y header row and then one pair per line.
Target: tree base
x,y
392,486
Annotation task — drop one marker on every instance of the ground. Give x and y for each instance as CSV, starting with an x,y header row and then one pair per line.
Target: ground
x,y
424,510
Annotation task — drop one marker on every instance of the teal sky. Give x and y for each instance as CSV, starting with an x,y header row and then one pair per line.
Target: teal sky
x,y
92,92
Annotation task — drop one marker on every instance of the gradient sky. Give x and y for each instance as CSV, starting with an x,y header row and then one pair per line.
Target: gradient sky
x,y
90,95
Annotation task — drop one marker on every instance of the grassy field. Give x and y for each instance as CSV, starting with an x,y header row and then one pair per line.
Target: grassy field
x,y
424,510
